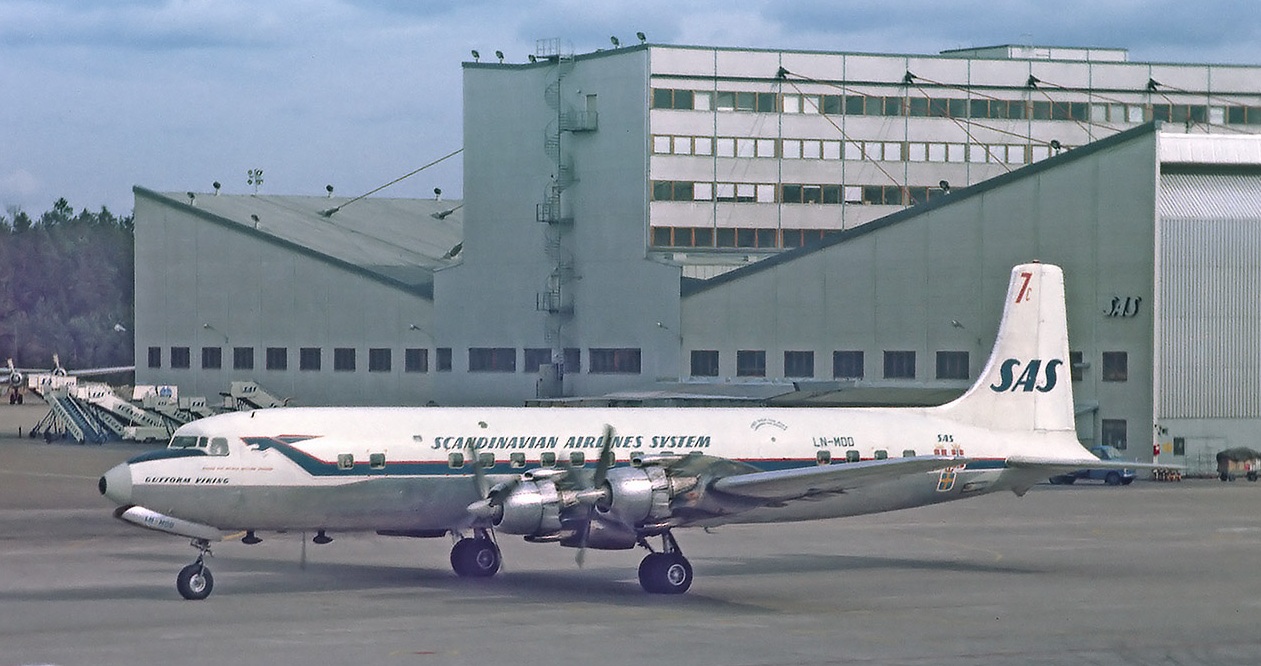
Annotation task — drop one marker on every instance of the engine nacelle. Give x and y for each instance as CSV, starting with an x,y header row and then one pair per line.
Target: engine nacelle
x,y
642,494
531,508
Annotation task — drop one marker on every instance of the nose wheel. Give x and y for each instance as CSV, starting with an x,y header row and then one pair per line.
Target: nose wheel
x,y
666,571
194,581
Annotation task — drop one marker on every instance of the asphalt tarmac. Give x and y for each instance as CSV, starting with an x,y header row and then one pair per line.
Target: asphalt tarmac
x,y
1146,574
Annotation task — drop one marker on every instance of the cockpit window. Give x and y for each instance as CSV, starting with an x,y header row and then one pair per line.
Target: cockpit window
x,y
183,442
218,447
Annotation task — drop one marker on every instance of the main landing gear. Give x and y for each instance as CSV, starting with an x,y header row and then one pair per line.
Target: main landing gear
x,y
666,571
476,557
194,581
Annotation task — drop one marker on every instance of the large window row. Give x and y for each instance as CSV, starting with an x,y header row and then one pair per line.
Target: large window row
x,y
727,237
607,360
919,106
850,364
831,149
793,193
345,359
846,364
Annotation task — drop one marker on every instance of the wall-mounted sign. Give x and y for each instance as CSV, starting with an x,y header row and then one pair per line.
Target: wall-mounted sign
x,y
1123,306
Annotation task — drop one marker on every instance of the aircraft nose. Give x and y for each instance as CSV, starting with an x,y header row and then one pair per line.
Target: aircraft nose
x,y
116,484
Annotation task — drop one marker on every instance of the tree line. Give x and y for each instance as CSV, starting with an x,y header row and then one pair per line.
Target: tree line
x,y
67,287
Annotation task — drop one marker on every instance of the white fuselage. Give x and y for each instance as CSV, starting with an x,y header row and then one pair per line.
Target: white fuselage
x,y
411,468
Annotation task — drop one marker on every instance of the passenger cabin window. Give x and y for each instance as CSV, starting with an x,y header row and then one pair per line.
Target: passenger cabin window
x,y
881,454
345,461
577,458
908,453
218,446
486,460
376,460
852,456
516,460
547,459
823,457
455,460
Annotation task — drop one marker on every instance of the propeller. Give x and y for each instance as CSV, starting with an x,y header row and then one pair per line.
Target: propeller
x,y
490,497
592,496
483,508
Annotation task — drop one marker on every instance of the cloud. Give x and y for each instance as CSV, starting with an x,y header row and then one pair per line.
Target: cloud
x,y
144,25
19,188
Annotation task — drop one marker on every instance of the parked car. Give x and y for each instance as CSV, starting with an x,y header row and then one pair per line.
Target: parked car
x,y
1112,477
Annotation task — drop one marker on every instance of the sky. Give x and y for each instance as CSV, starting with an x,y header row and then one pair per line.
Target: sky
x,y
97,96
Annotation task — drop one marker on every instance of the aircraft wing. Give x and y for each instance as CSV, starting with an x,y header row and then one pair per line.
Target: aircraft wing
x,y
92,372
1060,465
788,484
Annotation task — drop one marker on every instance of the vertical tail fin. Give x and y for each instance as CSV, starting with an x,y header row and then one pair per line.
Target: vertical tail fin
x,y
1026,384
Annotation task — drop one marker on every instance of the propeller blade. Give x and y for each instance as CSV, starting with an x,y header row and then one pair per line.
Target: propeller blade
x,y
596,492
479,473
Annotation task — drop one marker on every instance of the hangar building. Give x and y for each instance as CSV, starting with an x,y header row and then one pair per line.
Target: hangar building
x,y
323,309
1141,181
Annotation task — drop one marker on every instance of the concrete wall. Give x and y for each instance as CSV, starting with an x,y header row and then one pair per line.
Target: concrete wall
x,y
617,296
191,271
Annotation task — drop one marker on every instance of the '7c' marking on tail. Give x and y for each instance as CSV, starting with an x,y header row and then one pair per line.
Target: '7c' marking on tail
x,y
1024,287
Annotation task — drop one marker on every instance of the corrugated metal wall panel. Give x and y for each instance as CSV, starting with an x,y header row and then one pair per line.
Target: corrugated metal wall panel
x,y
1209,355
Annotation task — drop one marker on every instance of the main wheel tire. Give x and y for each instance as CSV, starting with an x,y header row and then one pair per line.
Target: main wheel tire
x,y
195,582
475,558
648,572
1113,479
665,573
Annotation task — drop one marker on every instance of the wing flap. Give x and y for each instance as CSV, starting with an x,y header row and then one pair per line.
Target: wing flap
x,y
781,485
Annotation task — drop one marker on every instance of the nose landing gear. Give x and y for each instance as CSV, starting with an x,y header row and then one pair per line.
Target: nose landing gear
x,y
194,581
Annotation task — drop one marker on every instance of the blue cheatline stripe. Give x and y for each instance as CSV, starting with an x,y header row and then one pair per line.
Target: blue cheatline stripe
x,y
165,454
316,467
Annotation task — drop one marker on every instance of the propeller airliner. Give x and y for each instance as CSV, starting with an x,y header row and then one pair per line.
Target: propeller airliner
x,y
613,478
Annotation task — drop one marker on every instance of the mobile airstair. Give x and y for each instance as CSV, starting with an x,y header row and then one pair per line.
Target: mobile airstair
x,y
249,395
67,418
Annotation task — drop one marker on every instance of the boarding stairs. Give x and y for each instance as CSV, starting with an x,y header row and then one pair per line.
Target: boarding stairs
x,y
67,417
249,395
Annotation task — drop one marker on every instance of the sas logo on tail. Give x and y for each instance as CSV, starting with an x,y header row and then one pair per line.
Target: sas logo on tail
x,y
1028,380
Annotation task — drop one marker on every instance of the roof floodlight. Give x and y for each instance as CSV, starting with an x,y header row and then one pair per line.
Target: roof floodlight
x,y
477,57
329,189
615,41
216,185
642,38
944,185
533,58
192,198
500,55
